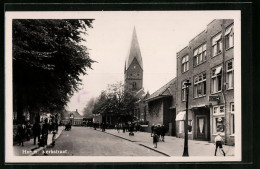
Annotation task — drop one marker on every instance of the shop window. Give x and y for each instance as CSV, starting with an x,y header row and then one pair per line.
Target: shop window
x,y
216,44
218,125
232,107
185,64
229,37
216,80
181,126
190,126
200,85
199,55
230,75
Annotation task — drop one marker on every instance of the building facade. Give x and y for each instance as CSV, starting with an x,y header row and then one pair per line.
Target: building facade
x,y
207,62
162,107
72,117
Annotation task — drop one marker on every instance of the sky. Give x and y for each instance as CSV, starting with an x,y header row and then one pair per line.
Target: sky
x,y
160,35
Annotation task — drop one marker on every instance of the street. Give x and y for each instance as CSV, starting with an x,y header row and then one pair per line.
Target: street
x,y
84,141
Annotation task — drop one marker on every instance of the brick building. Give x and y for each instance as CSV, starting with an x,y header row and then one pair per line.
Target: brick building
x,y
72,117
162,107
207,62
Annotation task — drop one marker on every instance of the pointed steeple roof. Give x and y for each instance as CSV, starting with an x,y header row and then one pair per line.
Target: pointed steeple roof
x,y
134,52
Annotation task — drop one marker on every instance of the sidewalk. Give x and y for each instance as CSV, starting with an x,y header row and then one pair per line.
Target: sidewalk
x,y
172,146
29,149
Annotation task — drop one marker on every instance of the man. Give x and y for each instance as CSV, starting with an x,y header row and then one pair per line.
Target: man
x,y
218,142
163,132
21,133
152,129
45,132
36,131
54,129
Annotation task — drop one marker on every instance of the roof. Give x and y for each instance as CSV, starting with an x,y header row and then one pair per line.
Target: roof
x,y
162,92
134,52
76,115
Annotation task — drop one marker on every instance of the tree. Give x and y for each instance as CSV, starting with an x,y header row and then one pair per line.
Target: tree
x,y
48,58
116,102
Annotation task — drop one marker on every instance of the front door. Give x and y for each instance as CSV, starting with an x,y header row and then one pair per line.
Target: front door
x,y
201,128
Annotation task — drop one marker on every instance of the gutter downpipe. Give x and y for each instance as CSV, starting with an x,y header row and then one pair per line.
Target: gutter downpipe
x,y
224,80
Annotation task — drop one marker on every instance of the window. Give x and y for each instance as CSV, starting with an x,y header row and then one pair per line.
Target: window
x,y
230,75
232,108
200,85
134,85
229,37
183,92
199,55
185,64
216,44
190,126
218,124
181,126
218,110
216,77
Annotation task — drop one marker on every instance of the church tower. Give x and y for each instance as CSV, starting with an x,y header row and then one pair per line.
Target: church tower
x,y
134,66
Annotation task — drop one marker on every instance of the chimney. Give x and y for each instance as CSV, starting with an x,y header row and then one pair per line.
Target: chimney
x,y
77,110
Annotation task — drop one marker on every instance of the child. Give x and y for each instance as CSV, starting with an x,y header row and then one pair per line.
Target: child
x,y
218,142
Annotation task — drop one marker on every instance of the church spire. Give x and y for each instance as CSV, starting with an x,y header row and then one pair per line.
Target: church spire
x,y
134,52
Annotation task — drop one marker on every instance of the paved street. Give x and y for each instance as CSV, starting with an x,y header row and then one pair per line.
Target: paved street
x,y
84,141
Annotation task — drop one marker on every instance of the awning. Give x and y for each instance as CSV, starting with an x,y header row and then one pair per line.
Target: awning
x,y
228,30
195,52
182,116
204,47
216,38
218,70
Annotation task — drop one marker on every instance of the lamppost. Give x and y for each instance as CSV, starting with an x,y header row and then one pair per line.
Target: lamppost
x,y
185,151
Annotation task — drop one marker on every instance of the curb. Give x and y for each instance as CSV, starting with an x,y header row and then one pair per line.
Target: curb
x,y
138,144
41,148
155,150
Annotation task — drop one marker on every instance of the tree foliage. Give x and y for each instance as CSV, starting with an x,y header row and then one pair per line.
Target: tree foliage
x,y
48,58
116,101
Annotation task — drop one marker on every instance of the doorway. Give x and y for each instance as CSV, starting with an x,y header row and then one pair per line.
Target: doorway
x,y
201,127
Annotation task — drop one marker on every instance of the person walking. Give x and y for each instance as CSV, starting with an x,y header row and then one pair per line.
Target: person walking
x,y
28,131
118,127
54,130
21,133
152,130
123,127
163,132
36,129
218,142
158,131
45,132
155,137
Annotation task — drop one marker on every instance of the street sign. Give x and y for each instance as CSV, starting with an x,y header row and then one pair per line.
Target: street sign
x,y
213,98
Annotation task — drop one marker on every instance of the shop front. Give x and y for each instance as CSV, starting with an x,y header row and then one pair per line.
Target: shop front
x,y
198,123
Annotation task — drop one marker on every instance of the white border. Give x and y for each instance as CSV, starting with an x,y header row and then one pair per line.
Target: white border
x,y
11,158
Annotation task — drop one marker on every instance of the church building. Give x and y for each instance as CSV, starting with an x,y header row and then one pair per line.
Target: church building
x,y
133,72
